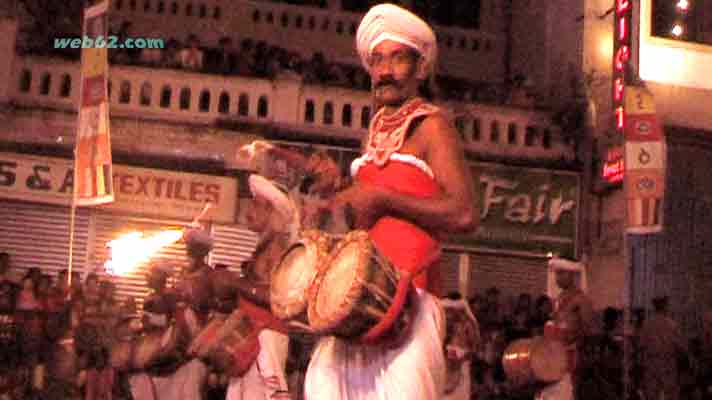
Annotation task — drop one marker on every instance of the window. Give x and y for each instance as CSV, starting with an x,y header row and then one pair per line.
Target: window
x,y
476,130
494,132
256,16
203,11
270,18
328,113
65,90
166,94
339,27
460,126
224,103
119,4
147,6
243,105
132,5
309,111
546,139
184,100
529,136
125,92
145,95
325,24
161,7
285,20
299,21
262,107
204,103
25,80
312,23
217,13
45,84
512,133
475,45
174,8
189,9
365,117
346,115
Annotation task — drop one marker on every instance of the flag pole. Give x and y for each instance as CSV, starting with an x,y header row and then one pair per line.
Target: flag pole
x,y
73,204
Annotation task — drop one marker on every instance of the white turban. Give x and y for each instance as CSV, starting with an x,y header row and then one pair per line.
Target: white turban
x,y
390,22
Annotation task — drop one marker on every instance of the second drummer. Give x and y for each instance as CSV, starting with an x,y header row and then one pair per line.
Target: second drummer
x,y
274,217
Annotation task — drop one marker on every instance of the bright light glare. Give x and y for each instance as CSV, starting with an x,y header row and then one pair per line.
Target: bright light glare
x,y
133,248
683,5
677,30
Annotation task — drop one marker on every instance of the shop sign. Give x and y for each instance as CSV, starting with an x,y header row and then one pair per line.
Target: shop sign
x,y
525,210
139,191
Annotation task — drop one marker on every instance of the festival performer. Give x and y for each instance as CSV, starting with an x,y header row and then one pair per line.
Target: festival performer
x,y
461,341
411,185
194,297
273,215
572,323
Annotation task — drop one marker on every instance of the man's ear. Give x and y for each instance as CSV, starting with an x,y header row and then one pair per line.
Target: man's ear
x,y
421,72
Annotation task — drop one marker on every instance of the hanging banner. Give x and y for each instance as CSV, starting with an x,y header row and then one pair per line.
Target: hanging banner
x,y
645,163
92,158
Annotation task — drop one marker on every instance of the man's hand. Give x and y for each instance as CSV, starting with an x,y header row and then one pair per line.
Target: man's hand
x,y
326,173
364,200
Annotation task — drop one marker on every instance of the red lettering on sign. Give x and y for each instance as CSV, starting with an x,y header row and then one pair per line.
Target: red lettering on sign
x,y
196,189
126,184
213,192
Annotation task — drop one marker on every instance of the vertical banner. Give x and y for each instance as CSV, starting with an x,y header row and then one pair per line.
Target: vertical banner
x,y
645,163
92,158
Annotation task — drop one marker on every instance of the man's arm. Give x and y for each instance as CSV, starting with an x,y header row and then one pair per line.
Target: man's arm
x,y
454,210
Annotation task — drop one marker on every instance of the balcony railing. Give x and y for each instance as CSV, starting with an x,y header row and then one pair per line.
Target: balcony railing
x,y
186,97
302,29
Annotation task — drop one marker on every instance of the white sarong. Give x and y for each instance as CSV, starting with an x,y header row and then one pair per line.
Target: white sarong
x,y
561,390
415,370
266,375
185,384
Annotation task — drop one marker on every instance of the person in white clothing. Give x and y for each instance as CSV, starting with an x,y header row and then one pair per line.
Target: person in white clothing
x,y
410,186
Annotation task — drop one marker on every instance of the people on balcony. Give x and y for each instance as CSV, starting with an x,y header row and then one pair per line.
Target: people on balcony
x,y
191,57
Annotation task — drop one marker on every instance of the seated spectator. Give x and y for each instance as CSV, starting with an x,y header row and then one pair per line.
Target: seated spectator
x,y
151,56
226,58
169,55
191,57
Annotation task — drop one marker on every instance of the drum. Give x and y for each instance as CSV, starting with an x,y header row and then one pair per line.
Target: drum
x,y
536,359
158,348
121,354
353,293
291,279
218,343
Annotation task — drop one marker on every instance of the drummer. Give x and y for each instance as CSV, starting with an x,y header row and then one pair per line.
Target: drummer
x,y
572,320
410,186
273,215
187,382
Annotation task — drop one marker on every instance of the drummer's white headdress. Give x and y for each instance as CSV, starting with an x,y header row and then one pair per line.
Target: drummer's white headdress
x,y
278,196
556,264
390,22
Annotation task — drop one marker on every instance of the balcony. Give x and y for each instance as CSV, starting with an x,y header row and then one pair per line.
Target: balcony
x,y
304,30
193,98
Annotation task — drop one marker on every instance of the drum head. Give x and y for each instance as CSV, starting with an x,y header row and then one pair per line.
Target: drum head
x,y
548,360
291,280
339,286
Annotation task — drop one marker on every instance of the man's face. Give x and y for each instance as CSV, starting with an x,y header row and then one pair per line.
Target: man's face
x,y
394,73
565,279
258,214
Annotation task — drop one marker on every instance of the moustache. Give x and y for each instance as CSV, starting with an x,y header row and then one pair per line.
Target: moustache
x,y
388,82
